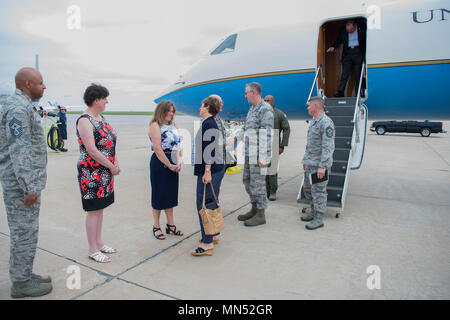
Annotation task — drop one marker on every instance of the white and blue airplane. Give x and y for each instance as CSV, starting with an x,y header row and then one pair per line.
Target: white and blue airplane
x,y
407,64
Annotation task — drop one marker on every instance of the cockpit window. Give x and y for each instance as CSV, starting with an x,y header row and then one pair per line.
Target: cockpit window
x,y
226,46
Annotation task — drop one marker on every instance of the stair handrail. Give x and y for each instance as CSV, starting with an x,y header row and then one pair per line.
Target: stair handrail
x,y
358,109
358,97
320,79
366,112
315,79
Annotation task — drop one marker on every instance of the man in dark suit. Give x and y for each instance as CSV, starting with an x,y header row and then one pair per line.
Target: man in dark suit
x,y
353,38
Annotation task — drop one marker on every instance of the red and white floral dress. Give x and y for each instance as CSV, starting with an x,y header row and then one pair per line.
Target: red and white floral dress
x,y
96,181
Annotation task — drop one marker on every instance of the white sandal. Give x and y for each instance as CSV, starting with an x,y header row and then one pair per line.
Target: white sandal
x,y
99,257
106,249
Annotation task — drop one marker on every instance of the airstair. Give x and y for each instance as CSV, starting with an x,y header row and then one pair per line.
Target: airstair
x,y
350,120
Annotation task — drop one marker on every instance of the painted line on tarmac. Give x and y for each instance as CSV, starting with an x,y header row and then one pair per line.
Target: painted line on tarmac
x,y
186,237
104,274
148,289
438,154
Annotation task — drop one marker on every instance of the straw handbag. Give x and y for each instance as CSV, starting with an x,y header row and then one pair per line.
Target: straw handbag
x,y
212,220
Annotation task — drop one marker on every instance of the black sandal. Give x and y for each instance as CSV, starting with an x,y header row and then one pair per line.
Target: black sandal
x,y
174,231
202,252
160,236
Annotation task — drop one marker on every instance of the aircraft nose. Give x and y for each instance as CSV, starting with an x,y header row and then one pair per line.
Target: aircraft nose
x,y
181,82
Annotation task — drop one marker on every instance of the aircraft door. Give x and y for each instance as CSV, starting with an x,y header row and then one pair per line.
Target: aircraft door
x,y
333,63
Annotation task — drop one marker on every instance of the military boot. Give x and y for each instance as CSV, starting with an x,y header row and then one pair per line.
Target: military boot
x,y
316,222
30,288
308,216
257,219
273,196
46,279
249,214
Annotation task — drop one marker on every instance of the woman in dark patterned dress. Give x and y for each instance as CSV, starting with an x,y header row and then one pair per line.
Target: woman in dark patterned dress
x,y
96,167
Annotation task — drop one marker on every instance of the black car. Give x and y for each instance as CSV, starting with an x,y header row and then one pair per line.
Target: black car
x,y
425,128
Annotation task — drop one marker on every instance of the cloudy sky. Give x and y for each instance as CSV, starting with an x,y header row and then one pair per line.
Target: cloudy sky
x,y
135,48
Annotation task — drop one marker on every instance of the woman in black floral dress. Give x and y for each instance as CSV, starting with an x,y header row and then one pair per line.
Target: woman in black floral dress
x,y
96,167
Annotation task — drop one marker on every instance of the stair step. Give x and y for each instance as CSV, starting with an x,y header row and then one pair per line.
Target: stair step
x,y
334,188
330,203
340,101
334,196
337,204
345,132
339,167
342,120
343,142
336,180
341,154
338,174
333,111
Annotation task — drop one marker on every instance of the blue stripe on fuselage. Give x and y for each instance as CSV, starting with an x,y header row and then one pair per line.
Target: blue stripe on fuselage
x,y
401,92
409,92
288,90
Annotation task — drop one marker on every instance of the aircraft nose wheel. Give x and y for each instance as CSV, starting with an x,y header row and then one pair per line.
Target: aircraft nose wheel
x,y
338,214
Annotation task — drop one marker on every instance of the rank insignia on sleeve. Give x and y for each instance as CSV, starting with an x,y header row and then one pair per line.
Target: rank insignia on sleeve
x,y
15,126
329,132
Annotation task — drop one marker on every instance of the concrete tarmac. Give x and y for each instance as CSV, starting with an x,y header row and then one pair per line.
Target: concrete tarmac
x,y
396,218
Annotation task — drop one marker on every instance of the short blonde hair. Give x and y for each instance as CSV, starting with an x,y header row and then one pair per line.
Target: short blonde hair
x,y
161,111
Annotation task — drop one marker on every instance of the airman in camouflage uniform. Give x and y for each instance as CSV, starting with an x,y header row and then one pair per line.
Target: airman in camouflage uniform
x,y
257,133
23,161
318,158
282,131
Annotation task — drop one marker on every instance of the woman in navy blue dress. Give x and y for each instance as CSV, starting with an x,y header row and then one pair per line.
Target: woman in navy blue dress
x,y
209,168
165,164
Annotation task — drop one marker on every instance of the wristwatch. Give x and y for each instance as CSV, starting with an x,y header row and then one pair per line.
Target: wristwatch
x,y
170,166
207,169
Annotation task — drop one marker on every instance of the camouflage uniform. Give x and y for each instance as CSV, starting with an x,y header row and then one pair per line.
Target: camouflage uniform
x,y
23,162
318,154
281,124
225,133
257,135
